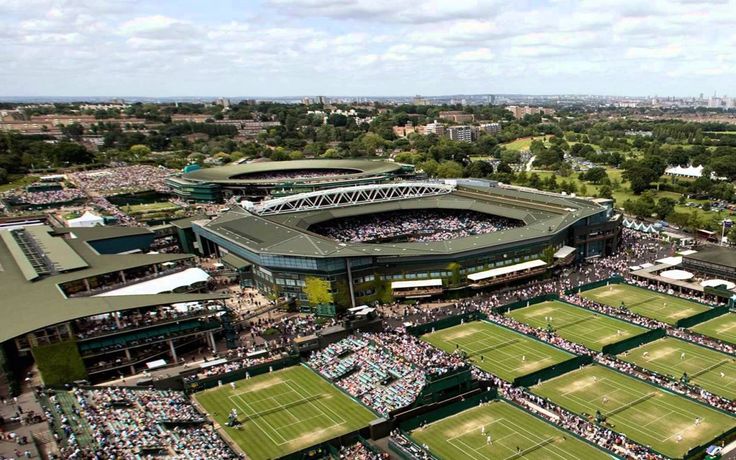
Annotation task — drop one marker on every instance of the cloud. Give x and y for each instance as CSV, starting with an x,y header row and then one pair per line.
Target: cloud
x,y
278,47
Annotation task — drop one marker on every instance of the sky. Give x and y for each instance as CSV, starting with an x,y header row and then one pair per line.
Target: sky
x,y
273,48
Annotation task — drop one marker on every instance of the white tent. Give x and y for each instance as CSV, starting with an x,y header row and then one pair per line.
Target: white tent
x,y
86,220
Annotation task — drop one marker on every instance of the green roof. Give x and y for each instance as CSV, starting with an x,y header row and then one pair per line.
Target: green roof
x,y
237,174
27,306
718,255
235,261
287,234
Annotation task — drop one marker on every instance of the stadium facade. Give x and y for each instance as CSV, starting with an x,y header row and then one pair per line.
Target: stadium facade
x,y
255,181
99,300
274,250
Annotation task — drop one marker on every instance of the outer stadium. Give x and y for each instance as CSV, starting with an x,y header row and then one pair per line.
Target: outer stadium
x,y
275,246
257,180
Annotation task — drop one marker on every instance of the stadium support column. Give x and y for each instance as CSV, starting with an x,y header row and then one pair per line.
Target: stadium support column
x,y
350,282
173,351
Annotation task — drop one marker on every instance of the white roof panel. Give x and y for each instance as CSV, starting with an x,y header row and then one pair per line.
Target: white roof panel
x,y
163,284
506,270
416,284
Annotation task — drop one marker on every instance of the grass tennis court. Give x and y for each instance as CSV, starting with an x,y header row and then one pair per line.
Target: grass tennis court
x,y
144,208
721,328
645,302
709,369
577,324
498,350
643,412
284,411
459,437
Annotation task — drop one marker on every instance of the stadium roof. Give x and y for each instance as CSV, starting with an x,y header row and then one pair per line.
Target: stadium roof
x,y
27,306
288,235
237,174
717,255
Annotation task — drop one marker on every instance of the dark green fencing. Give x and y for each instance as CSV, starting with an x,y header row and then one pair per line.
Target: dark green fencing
x,y
448,410
525,303
444,323
446,385
240,374
633,342
597,284
552,371
691,321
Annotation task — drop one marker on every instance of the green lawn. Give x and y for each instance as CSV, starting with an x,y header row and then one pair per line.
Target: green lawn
x,y
709,369
284,411
459,437
577,324
18,182
146,208
721,328
668,423
645,302
522,143
498,350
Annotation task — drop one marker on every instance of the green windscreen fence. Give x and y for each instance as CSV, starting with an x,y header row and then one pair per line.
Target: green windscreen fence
x,y
525,303
596,284
702,317
448,410
552,371
633,342
444,323
240,374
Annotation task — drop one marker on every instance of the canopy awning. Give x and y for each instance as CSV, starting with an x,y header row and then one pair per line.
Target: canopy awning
x,y
679,275
234,261
506,270
564,251
166,283
715,283
416,284
674,260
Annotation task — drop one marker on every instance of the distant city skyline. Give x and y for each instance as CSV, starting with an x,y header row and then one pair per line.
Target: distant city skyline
x,y
366,48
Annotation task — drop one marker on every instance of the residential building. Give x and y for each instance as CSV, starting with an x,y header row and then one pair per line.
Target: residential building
x,y
462,133
457,116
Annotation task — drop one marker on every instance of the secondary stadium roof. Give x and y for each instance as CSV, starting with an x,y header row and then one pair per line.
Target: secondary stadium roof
x,y
238,174
27,306
288,234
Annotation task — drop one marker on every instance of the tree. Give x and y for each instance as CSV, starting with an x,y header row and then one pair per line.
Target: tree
x,y
450,169
454,269
595,175
429,167
140,150
317,290
3,176
665,207
69,152
605,192
479,169
640,176
504,168
548,255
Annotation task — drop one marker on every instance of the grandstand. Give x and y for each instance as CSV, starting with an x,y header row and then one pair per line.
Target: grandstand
x,y
254,181
501,236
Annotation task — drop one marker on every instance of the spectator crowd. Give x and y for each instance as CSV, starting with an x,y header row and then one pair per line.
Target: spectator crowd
x,y
122,423
413,226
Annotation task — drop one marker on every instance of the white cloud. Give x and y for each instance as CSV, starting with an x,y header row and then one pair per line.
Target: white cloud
x,y
373,46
